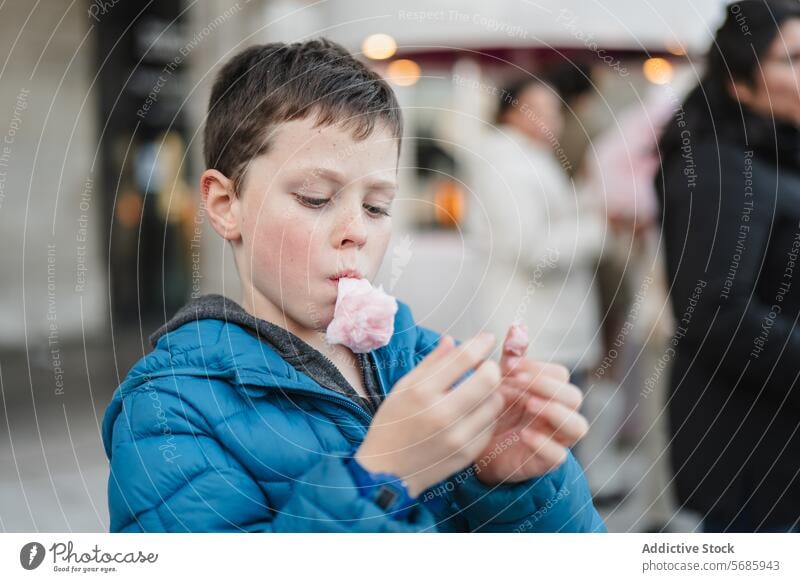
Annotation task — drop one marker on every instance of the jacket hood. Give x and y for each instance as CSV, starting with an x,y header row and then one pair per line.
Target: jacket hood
x,y
208,337
197,344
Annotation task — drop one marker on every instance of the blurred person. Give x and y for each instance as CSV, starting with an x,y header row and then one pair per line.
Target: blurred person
x,y
542,236
575,84
542,240
730,188
620,168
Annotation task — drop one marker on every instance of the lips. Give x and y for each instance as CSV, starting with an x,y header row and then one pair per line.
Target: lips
x,y
349,273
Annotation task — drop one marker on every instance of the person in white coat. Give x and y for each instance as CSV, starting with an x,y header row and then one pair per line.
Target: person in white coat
x,y
540,238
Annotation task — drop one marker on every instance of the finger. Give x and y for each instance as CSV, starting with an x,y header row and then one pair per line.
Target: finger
x,y
553,371
547,389
543,449
515,346
475,390
484,416
481,424
537,369
569,426
443,371
444,346
512,394
477,425
427,365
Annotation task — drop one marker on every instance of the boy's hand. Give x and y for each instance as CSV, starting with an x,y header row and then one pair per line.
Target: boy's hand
x,y
425,431
539,421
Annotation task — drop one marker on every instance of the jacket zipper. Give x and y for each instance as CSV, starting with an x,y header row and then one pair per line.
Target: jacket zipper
x,y
374,360
336,397
344,400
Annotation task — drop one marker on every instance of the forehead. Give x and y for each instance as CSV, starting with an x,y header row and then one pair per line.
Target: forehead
x,y
300,144
788,37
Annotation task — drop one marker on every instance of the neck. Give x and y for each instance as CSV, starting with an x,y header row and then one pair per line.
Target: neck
x,y
259,306
262,308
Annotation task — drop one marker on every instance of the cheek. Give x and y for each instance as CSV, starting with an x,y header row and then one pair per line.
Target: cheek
x,y
789,91
781,92
382,237
287,251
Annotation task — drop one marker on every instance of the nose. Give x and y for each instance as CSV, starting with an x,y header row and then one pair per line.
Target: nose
x,y
351,228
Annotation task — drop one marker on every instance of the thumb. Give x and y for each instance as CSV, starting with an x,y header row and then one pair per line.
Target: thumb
x,y
515,346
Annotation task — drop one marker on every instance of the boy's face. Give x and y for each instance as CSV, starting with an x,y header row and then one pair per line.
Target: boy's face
x,y
311,207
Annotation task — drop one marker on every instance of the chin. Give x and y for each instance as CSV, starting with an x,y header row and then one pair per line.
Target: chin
x,y
318,315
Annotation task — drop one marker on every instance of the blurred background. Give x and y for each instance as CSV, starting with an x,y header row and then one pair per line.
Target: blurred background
x,y
103,237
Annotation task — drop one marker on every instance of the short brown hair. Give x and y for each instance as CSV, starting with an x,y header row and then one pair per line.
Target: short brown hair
x,y
269,84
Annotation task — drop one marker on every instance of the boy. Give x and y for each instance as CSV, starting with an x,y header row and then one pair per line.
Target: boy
x,y
244,419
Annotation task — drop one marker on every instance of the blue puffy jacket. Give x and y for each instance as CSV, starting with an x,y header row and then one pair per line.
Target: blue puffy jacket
x,y
214,431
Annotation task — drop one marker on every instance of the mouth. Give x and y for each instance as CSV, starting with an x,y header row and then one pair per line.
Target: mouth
x,y
348,273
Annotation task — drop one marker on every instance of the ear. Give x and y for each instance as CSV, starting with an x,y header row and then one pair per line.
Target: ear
x,y
222,205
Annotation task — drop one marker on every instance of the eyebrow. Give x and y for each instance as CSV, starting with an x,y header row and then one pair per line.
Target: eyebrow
x,y
338,178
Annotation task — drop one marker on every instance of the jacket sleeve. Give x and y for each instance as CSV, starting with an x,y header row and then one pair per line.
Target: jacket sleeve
x,y
558,501
170,474
717,234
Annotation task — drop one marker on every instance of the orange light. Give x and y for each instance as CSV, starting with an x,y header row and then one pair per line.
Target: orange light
x,y
379,47
129,208
657,70
403,72
448,203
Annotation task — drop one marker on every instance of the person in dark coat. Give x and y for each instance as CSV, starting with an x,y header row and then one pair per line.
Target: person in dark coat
x,y
730,189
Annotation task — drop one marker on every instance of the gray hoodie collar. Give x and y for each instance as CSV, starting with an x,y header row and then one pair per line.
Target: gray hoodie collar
x,y
291,348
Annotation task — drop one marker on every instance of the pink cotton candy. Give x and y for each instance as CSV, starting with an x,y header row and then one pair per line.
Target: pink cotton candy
x,y
363,318
516,339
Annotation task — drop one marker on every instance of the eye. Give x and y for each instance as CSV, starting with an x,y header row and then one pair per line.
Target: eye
x,y
311,202
376,210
